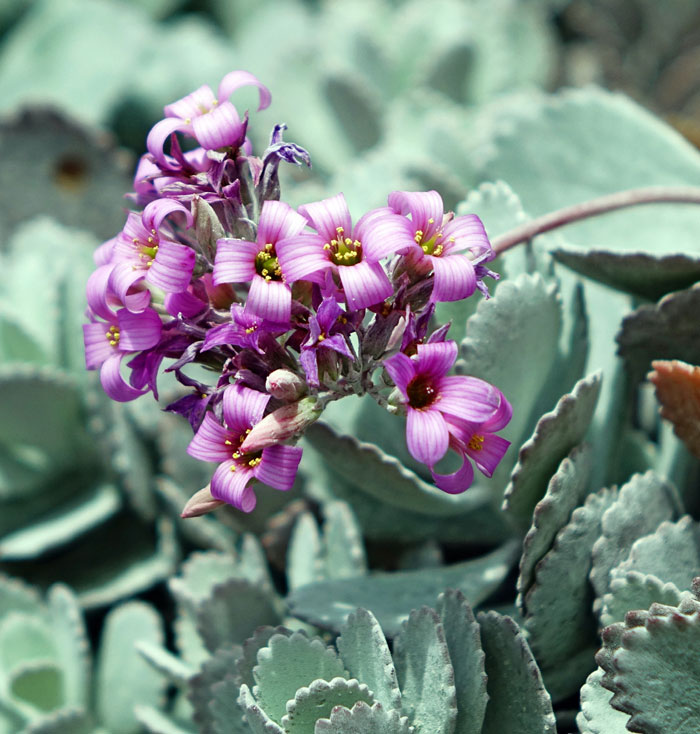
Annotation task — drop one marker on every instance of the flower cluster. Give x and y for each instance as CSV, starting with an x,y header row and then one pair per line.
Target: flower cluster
x,y
285,309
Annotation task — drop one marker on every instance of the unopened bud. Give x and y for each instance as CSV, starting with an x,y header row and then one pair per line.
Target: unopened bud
x,y
285,385
200,503
207,227
281,425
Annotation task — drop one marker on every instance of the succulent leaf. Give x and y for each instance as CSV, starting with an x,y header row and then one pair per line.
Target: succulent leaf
x,y
425,673
365,653
633,590
597,716
363,719
258,721
62,721
463,638
156,722
304,555
342,540
518,700
214,670
555,435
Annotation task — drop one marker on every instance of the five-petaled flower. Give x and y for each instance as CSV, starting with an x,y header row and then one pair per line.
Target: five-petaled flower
x,y
449,246
275,465
434,400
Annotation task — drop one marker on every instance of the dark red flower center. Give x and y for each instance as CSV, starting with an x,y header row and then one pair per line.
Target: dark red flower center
x,y
421,392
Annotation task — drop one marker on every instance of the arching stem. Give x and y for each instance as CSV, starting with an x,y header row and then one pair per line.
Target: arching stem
x,y
594,207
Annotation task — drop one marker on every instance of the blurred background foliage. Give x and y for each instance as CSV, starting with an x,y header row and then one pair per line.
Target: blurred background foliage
x,y
464,96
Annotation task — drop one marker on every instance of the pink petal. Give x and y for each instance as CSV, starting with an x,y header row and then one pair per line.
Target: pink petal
x,y
435,358
500,418
219,128
243,407
278,466
277,221
469,234
103,254
138,331
114,384
364,284
171,270
269,299
366,221
236,79
232,486
327,215
160,132
401,369
427,437
455,278
97,346
302,257
98,294
185,303
193,105
155,212
456,482
385,236
467,398
234,261
208,443
122,278
423,206
490,453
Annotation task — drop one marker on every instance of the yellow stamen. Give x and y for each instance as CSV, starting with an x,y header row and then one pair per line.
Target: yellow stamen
x,y
476,442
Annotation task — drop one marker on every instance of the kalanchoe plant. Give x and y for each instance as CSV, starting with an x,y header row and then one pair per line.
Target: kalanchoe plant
x,y
216,271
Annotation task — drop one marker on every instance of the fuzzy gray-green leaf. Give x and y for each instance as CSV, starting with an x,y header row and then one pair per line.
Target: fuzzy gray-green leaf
x,y
304,558
124,679
597,716
342,539
463,638
555,435
633,590
518,700
425,673
365,653
364,719
391,596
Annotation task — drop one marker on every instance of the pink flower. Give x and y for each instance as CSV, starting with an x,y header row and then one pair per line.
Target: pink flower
x,y
107,343
212,120
241,261
275,465
435,402
141,251
353,254
450,247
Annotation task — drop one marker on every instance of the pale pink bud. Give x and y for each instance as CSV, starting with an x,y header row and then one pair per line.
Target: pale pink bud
x,y
285,385
281,425
200,503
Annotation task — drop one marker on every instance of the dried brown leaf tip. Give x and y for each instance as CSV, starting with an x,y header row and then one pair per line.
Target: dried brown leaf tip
x,y
678,391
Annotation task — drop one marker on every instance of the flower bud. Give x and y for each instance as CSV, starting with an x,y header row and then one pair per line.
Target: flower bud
x,y
285,385
281,425
200,503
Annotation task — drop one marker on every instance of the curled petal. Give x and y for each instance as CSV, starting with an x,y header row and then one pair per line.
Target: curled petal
x,y
236,79
160,132
234,261
155,212
113,383
487,450
122,279
230,484
401,369
277,221
302,257
364,284
468,398
138,331
270,299
172,268
501,418
219,128
427,437
327,216
278,467
98,294
208,443
469,234
454,278
458,481
435,358
425,207
193,105
243,407
103,254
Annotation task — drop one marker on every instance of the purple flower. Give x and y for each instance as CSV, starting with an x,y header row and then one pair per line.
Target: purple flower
x,y
450,247
241,261
107,343
324,335
141,251
476,441
275,465
433,399
351,253
212,120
